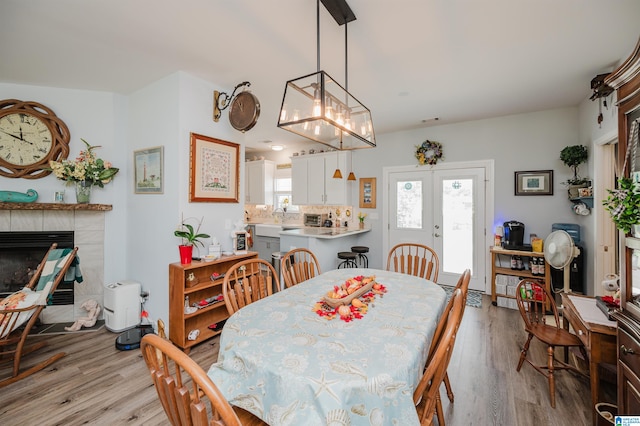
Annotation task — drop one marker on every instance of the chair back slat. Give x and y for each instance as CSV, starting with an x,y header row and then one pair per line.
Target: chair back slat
x,y
414,259
535,303
183,401
299,265
248,281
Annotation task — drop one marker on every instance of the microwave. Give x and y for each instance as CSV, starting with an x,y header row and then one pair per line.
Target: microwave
x,y
314,219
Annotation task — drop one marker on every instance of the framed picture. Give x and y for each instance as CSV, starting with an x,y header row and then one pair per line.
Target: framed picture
x,y
535,182
148,167
240,242
368,193
215,165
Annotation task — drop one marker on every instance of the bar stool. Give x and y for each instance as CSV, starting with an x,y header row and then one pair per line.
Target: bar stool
x,y
363,260
348,259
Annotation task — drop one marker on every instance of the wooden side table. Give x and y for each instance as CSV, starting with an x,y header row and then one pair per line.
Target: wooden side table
x,y
596,332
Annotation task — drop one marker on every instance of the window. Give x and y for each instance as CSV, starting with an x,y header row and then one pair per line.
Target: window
x,y
282,188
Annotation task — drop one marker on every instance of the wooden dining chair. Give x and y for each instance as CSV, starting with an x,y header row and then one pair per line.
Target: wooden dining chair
x,y
414,259
427,393
299,265
463,285
535,303
20,311
248,281
185,391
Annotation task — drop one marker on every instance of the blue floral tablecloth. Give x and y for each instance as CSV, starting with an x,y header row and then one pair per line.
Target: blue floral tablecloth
x,y
289,366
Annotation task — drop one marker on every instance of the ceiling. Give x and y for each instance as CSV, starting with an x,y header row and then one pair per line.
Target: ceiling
x,y
409,61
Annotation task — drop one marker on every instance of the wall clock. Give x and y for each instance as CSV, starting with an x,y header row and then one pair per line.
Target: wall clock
x,y
244,111
30,136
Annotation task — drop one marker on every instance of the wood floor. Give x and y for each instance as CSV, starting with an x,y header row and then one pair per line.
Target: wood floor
x,y
99,385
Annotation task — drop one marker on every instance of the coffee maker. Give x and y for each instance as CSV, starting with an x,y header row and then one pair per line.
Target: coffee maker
x,y
513,235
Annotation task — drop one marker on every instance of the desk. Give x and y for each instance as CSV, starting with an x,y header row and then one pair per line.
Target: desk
x,y
596,332
287,365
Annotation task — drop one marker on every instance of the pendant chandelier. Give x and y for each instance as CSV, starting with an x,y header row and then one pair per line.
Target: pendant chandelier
x,y
317,107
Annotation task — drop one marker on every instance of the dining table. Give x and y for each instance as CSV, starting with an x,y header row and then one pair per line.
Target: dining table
x,y
289,365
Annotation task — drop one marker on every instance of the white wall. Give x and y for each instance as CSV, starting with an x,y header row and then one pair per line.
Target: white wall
x,y
164,114
516,143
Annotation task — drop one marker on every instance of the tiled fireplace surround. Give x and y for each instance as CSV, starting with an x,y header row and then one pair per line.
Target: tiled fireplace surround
x,y
87,222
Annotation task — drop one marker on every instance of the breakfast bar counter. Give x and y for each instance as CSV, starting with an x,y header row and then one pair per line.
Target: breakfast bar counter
x,y
325,243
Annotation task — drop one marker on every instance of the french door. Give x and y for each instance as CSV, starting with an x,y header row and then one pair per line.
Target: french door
x,y
445,209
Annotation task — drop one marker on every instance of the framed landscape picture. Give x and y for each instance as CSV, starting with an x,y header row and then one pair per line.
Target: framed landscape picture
x,y
215,166
535,182
148,167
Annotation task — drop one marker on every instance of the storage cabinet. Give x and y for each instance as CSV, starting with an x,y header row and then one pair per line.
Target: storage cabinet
x,y
259,179
313,182
265,246
625,80
500,256
197,282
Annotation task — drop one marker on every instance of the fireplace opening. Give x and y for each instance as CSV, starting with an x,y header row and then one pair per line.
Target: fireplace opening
x,y
20,254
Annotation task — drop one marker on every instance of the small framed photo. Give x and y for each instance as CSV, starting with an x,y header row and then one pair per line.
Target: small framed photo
x,y
148,167
214,170
368,193
534,182
240,242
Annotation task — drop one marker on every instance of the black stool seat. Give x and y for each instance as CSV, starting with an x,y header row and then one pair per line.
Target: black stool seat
x,y
360,249
362,257
348,259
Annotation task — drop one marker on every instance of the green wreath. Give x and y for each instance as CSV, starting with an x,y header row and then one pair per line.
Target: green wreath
x,y
429,152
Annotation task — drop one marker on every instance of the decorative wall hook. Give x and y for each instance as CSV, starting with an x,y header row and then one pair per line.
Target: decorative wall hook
x,y
221,100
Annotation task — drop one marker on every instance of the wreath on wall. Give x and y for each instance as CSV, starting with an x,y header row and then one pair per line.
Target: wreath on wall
x,y
429,152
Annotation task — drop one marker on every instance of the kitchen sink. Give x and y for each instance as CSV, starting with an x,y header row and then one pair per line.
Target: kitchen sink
x,y
268,230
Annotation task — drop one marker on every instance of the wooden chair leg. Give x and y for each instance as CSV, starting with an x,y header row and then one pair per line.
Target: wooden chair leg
x,y
447,386
439,410
552,383
523,354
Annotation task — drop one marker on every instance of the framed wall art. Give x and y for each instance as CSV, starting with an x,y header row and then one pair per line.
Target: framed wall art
x,y
534,182
368,193
148,165
215,166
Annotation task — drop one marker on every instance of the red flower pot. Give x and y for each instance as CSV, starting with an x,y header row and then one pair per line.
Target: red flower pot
x,y
186,253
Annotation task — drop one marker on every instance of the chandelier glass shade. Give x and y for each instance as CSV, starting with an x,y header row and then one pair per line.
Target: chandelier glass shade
x,y
318,108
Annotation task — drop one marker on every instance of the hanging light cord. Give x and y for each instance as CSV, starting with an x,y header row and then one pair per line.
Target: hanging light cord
x,y
318,33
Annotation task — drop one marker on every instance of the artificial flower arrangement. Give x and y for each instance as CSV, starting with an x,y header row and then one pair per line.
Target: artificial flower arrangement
x,y
352,307
85,168
361,216
429,152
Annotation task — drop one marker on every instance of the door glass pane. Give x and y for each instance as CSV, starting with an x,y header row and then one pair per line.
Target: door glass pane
x,y
457,224
409,204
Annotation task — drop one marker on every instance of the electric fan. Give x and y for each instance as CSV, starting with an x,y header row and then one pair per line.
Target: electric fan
x,y
559,251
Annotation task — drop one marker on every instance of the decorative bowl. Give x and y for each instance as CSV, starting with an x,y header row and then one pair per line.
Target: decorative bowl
x,y
334,303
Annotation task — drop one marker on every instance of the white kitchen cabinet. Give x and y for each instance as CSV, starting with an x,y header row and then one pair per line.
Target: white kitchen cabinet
x,y
259,179
313,182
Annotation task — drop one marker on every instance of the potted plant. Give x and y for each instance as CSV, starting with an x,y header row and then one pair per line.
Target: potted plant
x,y
573,156
190,237
623,204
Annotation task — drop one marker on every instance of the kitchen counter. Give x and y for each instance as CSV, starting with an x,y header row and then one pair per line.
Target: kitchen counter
x,y
321,232
325,243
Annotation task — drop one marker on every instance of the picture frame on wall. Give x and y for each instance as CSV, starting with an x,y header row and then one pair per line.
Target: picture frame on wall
x,y
534,182
214,174
148,166
368,193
